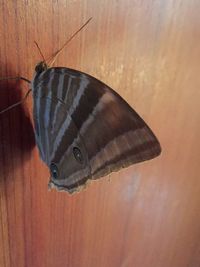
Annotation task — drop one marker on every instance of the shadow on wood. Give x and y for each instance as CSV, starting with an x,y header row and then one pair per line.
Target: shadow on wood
x,y
16,130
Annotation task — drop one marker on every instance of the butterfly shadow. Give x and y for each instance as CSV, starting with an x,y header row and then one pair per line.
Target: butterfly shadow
x,y
16,130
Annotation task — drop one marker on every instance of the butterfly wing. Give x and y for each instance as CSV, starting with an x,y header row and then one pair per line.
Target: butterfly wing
x,y
84,129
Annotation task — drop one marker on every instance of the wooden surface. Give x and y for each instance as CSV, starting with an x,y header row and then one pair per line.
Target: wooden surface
x,y
145,216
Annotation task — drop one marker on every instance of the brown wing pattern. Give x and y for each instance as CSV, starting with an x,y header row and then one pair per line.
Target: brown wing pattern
x,y
73,110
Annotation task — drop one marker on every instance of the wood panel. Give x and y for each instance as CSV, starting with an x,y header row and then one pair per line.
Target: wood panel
x,y
145,216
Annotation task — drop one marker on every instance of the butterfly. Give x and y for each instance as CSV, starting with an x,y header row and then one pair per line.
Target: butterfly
x,y
84,130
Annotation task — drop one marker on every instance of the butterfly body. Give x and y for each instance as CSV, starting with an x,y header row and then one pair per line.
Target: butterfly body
x,y
84,130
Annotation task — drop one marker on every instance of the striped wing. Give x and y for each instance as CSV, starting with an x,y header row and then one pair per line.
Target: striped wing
x,y
84,129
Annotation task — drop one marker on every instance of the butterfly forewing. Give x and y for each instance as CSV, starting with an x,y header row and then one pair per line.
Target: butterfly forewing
x,y
85,128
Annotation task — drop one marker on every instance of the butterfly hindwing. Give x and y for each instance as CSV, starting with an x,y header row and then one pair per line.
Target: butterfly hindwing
x,y
56,134
75,112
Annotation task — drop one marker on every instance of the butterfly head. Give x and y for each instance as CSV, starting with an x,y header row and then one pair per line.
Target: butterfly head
x,y
40,67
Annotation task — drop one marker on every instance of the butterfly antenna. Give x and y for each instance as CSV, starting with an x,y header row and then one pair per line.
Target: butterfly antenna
x,y
40,51
17,103
52,59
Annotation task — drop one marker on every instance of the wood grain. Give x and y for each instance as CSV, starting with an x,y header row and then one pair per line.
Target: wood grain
x,y
145,216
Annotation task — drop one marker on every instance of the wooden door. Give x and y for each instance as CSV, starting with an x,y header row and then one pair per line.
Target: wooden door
x,y
147,215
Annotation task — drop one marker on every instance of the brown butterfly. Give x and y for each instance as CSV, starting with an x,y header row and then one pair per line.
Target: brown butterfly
x,y
84,130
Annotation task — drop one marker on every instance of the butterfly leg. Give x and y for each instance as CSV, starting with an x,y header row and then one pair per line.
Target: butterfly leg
x,y
17,103
23,99
15,78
